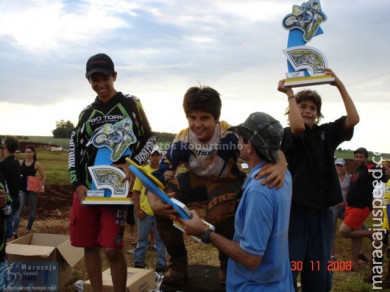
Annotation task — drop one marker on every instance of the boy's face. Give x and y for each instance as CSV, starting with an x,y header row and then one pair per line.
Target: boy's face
x,y
103,85
155,158
202,124
360,159
308,111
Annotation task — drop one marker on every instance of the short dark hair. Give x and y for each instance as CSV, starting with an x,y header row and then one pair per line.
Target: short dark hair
x,y
12,144
362,151
312,95
202,98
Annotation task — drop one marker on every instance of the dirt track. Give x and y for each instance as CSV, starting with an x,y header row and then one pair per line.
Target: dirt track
x,y
56,197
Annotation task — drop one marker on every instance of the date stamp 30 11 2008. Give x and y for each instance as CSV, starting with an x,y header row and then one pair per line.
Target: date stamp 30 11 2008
x,y
316,265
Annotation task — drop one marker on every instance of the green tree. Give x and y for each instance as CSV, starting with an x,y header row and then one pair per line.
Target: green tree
x,y
63,129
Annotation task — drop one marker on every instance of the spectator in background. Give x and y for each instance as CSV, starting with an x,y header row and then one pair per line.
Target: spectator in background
x,y
130,217
130,220
4,213
10,167
339,209
359,205
29,167
146,219
386,240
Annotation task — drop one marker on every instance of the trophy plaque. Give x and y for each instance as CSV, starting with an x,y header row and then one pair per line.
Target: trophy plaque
x,y
108,185
305,64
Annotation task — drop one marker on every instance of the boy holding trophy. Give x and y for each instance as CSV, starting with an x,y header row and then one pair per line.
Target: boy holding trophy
x,y
309,149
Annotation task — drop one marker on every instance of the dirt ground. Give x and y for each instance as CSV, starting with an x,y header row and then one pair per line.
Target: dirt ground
x,y
56,197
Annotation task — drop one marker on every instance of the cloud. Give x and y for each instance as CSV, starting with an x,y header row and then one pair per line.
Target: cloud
x,y
44,26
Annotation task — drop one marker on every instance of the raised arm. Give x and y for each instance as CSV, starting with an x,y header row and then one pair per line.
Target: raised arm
x,y
297,124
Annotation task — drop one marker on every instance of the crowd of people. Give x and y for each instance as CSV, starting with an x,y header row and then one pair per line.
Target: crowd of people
x,y
269,224
15,191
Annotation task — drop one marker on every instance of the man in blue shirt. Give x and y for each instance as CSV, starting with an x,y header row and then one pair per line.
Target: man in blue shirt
x,y
258,254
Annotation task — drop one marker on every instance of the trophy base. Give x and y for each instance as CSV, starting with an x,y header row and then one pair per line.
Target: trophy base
x,y
307,81
107,201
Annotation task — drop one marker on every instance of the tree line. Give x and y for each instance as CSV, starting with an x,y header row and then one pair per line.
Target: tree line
x,y
64,130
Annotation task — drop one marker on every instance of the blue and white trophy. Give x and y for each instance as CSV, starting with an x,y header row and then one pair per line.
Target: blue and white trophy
x,y
305,64
108,184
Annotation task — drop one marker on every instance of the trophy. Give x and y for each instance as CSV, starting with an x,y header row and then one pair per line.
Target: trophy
x,y
108,185
305,64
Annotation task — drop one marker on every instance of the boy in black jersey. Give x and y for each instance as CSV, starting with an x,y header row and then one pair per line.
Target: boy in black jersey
x,y
309,149
92,227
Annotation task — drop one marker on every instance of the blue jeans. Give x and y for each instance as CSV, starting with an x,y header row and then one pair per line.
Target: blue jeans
x,y
338,213
32,199
310,240
144,227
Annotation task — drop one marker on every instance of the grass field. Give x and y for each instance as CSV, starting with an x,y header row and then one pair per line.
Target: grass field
x,y
55,165
64,142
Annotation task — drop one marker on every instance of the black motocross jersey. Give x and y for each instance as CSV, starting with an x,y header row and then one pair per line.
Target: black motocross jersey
x,y
82,153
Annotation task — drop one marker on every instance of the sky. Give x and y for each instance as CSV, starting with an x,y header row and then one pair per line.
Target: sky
x,y
161,48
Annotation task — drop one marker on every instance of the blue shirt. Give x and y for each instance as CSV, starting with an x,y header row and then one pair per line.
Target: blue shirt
x,y
261,228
